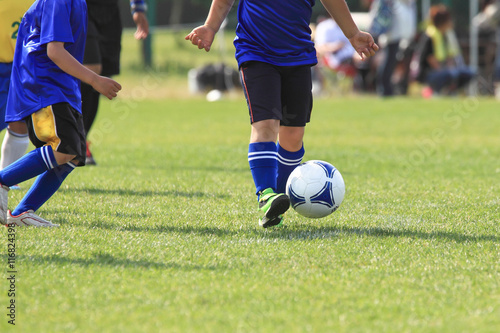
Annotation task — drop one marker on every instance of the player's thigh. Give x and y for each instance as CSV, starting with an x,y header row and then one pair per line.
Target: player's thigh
x,y
61,127
296,96
262,87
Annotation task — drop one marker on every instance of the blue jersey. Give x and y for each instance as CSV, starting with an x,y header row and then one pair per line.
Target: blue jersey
x,y
36,81
275,32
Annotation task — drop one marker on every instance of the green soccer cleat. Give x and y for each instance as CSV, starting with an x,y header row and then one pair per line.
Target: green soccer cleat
x,y
274,205
277,222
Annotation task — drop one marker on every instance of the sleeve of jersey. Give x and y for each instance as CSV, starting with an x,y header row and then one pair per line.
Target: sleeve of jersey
x,y
55,25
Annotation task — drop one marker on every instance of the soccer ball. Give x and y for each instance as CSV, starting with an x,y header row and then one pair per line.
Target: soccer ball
x,y
316,189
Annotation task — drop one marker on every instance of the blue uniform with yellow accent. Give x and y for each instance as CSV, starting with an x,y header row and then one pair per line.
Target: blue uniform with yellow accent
x,y
275,32
11,13
36,81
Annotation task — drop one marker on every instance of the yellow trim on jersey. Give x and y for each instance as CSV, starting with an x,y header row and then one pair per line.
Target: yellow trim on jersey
x,y
11,13
44,126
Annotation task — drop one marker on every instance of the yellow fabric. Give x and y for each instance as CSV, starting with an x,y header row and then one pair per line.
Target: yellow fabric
x,y
44,125
11,13
445,46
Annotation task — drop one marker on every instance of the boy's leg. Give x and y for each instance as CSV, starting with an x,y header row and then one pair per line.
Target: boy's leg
x,y
60,128
15,143
30,165
288,160
43,188
262,158
27,167
262,87
296,98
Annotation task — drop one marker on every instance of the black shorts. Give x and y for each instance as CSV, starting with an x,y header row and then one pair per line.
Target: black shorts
x,y
277,92
104,34
61,127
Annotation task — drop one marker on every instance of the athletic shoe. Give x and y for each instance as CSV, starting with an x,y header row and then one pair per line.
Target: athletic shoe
x,y
277,222
28,218
89,159
4,199
15,187
274,205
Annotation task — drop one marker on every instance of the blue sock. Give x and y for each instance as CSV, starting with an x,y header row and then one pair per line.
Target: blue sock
x,y
287,162
43,188
263,164
30,165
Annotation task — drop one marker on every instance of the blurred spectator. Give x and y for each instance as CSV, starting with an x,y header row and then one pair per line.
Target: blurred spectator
x,y
394,25
489,18
334,52
332,46
439,63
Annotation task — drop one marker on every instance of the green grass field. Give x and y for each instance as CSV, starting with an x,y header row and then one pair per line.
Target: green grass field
x,y
162,236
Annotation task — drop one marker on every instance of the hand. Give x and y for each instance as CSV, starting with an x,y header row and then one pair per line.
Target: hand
x,y
202,36
142,24
364,44
106,86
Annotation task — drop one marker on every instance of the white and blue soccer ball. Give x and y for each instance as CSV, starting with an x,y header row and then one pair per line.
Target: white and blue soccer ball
x,y
316,189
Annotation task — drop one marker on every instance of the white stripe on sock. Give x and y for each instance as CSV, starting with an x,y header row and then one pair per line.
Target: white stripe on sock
x,y
46,157
285,163
262,158
42,151
281,158
263,153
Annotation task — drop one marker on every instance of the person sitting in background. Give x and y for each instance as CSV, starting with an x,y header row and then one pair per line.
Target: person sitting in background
x,y
332,46
440,65
335,53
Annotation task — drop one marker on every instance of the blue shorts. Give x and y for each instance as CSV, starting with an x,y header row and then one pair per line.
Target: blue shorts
x,y
5,69
277,92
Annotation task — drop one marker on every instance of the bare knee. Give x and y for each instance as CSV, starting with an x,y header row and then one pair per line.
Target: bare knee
x,y
291,138
18,127
63,158
265,131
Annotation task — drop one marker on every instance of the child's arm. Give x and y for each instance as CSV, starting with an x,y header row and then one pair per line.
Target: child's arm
x,y
141,21
361,41
65,61
203,36
138,9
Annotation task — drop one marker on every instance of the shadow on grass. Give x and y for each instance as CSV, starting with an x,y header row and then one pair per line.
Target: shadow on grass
x,y
309,233
204,169
187,229
106,259
128,192
333,232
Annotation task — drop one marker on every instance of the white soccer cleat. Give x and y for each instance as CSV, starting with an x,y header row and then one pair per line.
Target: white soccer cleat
x,y
28,218
4,199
